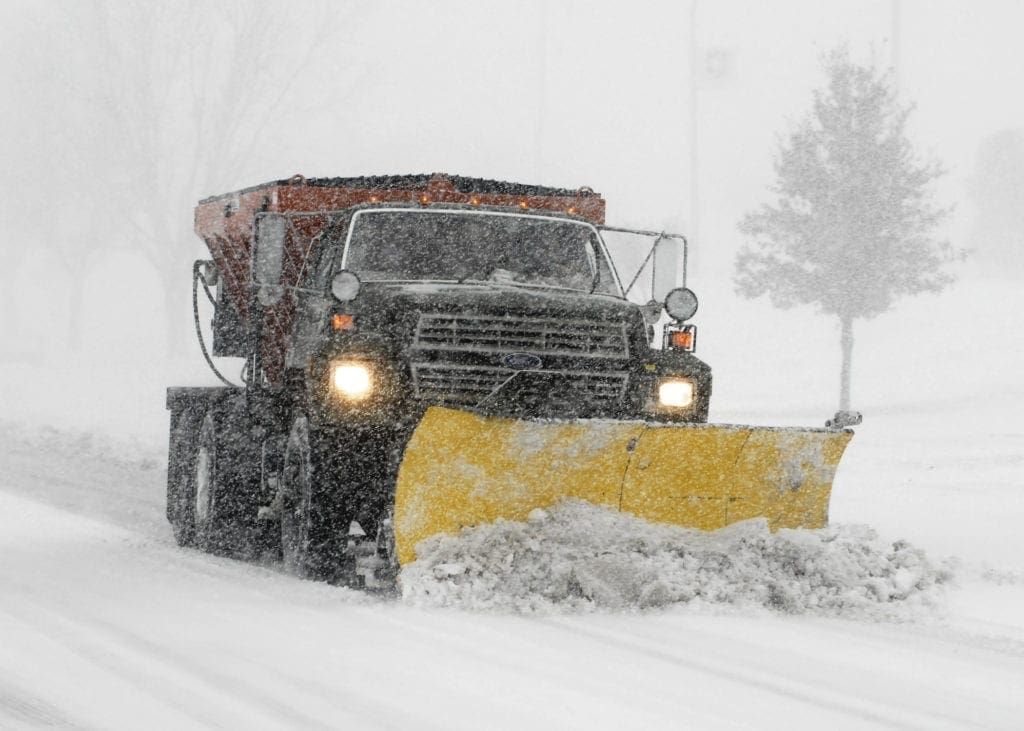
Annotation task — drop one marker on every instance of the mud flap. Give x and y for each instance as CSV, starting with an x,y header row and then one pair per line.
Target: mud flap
x,y
462,469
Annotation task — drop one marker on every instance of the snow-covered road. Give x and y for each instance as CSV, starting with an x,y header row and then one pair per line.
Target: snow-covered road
x,y
105,623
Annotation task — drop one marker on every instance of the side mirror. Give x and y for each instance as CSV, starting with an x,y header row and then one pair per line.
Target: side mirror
x,y
271,233
681,303
664,267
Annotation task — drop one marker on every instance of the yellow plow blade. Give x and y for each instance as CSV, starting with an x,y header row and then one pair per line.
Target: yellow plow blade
x,y
462,469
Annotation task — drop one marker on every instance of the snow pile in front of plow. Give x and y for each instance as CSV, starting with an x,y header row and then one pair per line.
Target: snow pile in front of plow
x,y
580,557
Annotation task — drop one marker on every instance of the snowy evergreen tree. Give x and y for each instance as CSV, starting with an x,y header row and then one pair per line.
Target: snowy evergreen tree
x,y
852,225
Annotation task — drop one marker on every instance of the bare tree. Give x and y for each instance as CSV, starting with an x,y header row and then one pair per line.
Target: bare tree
x,y
53,210
177,100
851,228
35,211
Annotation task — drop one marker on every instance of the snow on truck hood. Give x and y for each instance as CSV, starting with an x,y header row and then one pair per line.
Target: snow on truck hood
x,y
498,296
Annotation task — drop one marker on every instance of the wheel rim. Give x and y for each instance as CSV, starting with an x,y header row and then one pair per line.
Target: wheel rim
x,y
203,485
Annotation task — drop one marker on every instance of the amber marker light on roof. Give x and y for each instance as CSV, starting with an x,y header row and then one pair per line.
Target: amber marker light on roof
x,y
374,199
475,201
572,209
424,199
523,204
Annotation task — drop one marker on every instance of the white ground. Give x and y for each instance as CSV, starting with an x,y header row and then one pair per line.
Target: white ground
x,y
105,623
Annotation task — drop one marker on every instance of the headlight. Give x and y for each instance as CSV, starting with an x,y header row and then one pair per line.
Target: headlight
x,y
351,380
676,393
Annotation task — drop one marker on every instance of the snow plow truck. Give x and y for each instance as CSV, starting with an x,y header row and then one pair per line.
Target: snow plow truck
x,y
424,353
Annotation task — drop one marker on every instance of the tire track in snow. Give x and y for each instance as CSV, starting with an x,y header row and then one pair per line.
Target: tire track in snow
x,y
591,686
386,714
877,713
172,679
181,684
20,709
200,685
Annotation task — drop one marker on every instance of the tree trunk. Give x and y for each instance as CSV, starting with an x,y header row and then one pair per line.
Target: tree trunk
x,y
9,321
76,304
846,344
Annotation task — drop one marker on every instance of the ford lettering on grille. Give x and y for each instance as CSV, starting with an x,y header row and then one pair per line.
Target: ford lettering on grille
x,y
521,361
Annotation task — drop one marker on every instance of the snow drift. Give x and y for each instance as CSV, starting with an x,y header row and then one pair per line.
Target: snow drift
x,y
580,557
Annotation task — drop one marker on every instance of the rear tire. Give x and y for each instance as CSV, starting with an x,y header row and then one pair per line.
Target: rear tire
x,y
222,488
185,424
206,495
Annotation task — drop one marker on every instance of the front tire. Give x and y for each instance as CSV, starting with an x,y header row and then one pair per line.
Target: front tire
x,y
331,477
313,519
297,552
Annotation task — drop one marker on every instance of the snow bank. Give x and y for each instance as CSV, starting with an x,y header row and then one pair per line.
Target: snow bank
x,y
88,445
579,557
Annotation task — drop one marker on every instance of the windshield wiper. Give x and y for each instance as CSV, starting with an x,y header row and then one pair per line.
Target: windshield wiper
x,y
471,276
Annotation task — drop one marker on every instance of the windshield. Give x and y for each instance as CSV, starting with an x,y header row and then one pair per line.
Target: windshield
x,y
416,245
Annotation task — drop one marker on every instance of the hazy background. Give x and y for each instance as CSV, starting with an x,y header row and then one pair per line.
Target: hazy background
x,y
119,116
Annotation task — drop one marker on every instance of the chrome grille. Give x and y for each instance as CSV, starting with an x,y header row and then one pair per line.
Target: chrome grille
x,y
458,384
495,334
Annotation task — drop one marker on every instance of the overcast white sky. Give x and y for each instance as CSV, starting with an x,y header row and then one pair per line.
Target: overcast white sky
x,y
581,93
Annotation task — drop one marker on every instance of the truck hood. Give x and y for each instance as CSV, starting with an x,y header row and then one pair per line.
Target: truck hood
x,y
378,301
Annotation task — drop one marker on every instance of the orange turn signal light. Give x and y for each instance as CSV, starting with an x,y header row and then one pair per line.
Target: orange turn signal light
x,y
683,339
343,322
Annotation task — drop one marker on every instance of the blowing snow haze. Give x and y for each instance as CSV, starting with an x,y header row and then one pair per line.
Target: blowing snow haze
x,y
121,116
129,113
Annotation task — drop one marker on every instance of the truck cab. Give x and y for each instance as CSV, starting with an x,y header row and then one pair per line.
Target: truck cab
x,y
509,312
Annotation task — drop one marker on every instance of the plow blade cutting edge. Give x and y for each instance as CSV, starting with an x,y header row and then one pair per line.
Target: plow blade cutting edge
x,y
462,469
